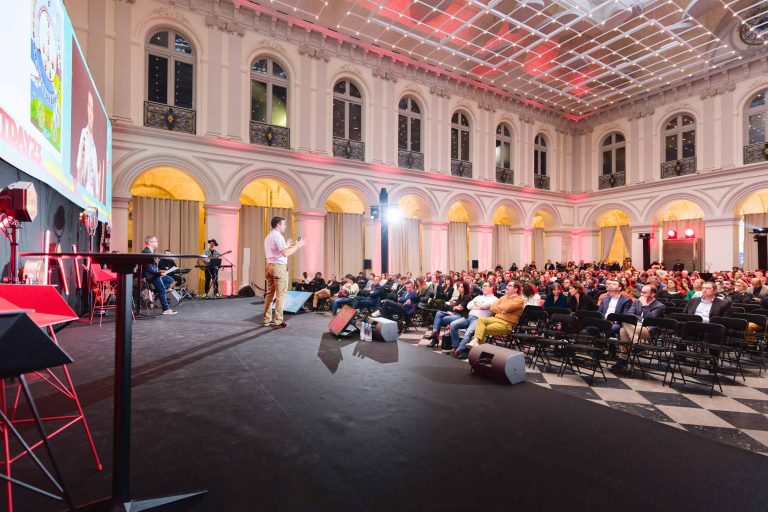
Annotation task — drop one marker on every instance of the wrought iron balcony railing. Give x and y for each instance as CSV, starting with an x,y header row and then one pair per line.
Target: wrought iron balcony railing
x,y
505,175
461,168
617,179
541,182
166,117
350,149
678,167
270,135
410,159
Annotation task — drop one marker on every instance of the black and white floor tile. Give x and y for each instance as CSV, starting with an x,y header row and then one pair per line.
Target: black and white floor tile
x,y
738,416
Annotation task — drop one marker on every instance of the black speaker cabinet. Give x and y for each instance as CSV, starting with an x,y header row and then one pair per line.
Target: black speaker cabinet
x,y
475,264
246,291
367,265
498,363
383,329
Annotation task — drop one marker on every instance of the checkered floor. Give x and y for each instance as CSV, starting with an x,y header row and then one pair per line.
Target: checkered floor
x,y
738,416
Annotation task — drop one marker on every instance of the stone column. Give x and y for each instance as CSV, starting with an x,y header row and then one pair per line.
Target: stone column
x,y
721,241
309,224
221,223
234,89
553,244
434,246
122,73
372,249
213,110
637,245
119,227
586,244
97,48
520,238
481,245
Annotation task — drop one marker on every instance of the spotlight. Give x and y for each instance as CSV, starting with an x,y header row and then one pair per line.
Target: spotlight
x,y
690,233
759,231
374,212
393,215
672,234
19,200
644,236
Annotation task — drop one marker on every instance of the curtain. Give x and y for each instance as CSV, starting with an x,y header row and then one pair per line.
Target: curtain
x,y
606,241
626,236
405,247
457,246
752,220
175,223
251,245
681,225
538,247
502,248
343,243
287,214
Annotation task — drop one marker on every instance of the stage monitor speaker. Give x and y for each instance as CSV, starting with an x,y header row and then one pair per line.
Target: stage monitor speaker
x,y
475,264
246,291
384,329
294,301
174,299
367,265
498,363
341,325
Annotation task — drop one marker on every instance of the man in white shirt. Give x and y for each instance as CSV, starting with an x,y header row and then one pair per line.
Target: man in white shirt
x,y
87,158
478,307
277,251
709,305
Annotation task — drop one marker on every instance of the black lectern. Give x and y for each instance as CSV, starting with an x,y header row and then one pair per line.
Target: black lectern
x,y
120,500
24,348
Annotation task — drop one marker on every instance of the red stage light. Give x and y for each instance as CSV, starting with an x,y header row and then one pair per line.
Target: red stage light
x,y
671,234
690,233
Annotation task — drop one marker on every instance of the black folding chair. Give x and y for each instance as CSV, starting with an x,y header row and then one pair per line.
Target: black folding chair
x,y
556,335
582,315
552,310
617,343
682,318
588,349
661,341
703,342
735,330
530,327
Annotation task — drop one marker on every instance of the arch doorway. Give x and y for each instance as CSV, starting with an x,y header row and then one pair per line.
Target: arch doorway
x,y
678,221
614,236
344,235
167,202
405,234
504,253
458,237
542,221
753,213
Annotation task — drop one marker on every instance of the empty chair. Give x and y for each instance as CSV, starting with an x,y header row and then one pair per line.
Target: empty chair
x,y
588,348
552,310
703,344
555,336
658,346
735,329
530,327
753,350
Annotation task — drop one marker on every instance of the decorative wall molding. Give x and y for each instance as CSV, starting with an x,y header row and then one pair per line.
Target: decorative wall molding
x,y
638,114
272,44
716,91
217,22
385,74
314,53
487,106
440,92
526,119
170,12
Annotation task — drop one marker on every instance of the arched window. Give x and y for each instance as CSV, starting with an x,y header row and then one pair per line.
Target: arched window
x,y
348,121
269,103
540,178
460,140
170,82
504,154
679,146
614,149
756,114
409,134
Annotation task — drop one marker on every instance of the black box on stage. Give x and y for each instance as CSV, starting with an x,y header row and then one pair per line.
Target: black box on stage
x,y
475,264
498,363
367,265
383,329
341,325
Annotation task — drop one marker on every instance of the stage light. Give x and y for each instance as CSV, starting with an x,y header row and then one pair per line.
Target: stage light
x,y
759,231
19,200
671,234
393,215
690,233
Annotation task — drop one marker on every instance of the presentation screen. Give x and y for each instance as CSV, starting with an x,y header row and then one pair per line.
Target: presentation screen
x,y
53,124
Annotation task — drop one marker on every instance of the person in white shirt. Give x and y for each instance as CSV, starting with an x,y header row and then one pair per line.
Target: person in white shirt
x,y
277,251
87,157
478,307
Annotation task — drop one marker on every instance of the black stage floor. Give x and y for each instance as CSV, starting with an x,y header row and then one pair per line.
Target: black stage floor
x,y
295,420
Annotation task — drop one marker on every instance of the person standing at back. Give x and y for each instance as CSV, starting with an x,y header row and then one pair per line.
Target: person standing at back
x,y
277,251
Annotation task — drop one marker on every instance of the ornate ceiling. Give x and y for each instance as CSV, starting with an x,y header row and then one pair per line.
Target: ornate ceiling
x,y
573,56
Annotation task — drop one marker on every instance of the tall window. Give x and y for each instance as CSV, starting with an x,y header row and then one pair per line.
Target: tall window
x,y
503,147
540,155
460,137
170,69
409,125
269,93
757,111
679,138
614,150
347,111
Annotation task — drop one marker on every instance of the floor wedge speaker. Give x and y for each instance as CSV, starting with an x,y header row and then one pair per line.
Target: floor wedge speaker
x,y
498,363
383,329
174,299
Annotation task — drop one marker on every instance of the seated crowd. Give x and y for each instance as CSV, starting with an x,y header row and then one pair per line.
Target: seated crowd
x,y
473,305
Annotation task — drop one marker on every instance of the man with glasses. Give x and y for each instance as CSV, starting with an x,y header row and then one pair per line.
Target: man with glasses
x,y
709,305
645,307
155,276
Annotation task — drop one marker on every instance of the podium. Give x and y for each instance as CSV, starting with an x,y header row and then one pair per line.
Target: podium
x,y
120,499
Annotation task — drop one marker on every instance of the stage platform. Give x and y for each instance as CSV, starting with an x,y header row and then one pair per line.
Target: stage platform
x,y
295,420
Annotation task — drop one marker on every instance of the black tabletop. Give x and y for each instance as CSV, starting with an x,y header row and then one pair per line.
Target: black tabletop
x,y
119,262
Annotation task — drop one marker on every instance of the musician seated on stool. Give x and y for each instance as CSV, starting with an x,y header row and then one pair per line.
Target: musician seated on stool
x,y
155,276
166,264
212,271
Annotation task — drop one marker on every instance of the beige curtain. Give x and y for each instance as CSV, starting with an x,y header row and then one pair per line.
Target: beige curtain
x,y
287,214
626,236
752,220
405,246
606,241
538,247
502,247
343,243
457,246
681,225
175,223
251,245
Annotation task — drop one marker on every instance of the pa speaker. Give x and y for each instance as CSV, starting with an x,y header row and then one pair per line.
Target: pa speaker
x,y
294,301
498,363
384,329
341,325
246,291
173,298
367,265
475,264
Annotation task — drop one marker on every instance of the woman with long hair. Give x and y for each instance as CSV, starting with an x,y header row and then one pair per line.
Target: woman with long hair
x,y
530,295
555,297
579,300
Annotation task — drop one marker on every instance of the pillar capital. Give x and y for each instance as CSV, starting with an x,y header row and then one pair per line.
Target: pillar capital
x,y
222,208
120,202
310,213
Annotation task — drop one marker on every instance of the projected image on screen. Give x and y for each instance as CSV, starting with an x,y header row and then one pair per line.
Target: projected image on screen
x,y
47,59
88,154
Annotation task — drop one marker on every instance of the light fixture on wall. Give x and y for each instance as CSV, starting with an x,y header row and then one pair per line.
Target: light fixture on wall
x,y
690,233
672,234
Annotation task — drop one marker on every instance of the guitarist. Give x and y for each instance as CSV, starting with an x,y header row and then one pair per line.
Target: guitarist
x,y
155,276
212,270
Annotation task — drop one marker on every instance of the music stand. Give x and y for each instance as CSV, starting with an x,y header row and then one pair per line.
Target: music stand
x,y
120,498
24,348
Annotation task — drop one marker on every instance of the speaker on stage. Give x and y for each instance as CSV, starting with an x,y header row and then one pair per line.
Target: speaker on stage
x,y
174,299
475,264
498,363
367,265
295,300
341,325
246,291
384,329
